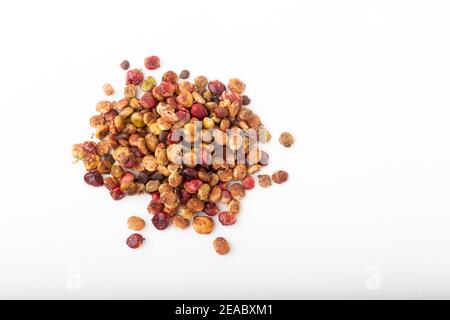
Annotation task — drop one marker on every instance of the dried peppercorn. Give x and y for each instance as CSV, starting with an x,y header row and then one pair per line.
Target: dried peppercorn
x,y
184,74
286,139
135,241
246,100
117,194
221,246
125,64
135,223
280,176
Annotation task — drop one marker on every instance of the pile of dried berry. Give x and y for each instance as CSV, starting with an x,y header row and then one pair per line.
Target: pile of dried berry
x,y
193,146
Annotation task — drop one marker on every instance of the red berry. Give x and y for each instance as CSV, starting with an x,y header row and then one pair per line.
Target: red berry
x,y
135,240
199,111
248,182
233,97
89,146
166,89
148,101
183,115
117,194
155,207
222,185
193,185
151,63
189,173
211,209
134,76
127,177
185,196
216,87
161,220
226,218
93,178
110,183
156,196
175,136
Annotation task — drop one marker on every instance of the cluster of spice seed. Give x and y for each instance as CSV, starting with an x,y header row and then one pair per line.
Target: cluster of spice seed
x,y
136,150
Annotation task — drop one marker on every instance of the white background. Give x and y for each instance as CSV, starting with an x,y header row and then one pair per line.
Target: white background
x,y
363,85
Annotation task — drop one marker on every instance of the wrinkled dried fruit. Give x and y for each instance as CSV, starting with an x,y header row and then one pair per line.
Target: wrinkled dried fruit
x,y
221,246
227,219
135,223
264,180
203,224
152,62
216,87
286,139
161,220
93,178
108,89
117,194
248,183
135,241
180,222
134,76
237,191
280,176
236,85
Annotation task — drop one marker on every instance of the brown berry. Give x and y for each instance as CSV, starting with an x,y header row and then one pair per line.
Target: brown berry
x,y
221,245
280,176
135,223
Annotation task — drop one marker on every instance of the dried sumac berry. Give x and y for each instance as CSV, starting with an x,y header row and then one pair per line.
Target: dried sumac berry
x,y
135,241
227,219
161,220
93,178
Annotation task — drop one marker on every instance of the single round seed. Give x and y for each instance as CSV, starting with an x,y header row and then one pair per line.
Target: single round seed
x,y
184,74
125,64
221,246
108,89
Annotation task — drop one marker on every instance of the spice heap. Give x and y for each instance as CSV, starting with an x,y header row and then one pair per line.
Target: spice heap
x,y
193,146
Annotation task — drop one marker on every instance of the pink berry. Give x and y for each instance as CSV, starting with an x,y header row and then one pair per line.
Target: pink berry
x,y
199,111
152,62
185,196
227,219
117,194
148,101
127,177
248,182
211,209
193,185
135,77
